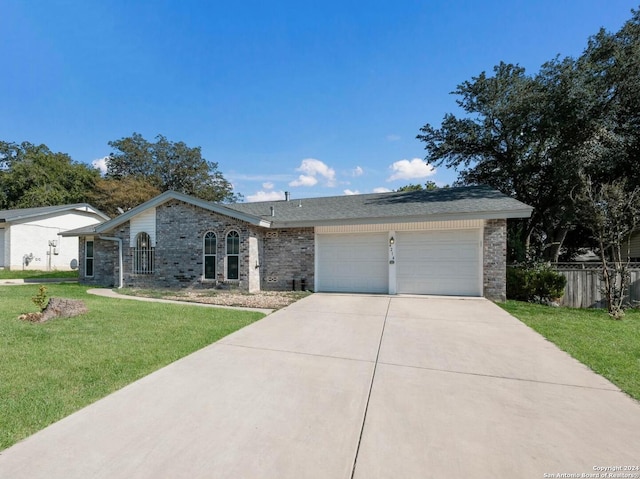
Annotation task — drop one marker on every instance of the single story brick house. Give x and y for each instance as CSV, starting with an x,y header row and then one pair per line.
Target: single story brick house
x,y
29,236
449,241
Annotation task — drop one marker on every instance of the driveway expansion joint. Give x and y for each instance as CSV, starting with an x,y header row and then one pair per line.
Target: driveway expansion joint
x,y
508,378
315,355
373,376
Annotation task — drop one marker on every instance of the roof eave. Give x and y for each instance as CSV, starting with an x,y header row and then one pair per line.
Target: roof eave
x,y
83,231
84,207
173,195
480,215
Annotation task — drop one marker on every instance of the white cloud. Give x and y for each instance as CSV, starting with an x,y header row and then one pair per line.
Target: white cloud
x,y
101,164
265,196
393,137
357,171
312,169
304,180
351,192
381,189
409,170
268,185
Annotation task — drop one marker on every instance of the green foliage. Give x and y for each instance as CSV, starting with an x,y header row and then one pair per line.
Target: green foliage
x,y
32,176
41,299
532,135
168,165
537,283
36,274
125,193
429,186
611,212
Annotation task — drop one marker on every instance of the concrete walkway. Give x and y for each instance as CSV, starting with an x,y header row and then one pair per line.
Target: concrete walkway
x,y
20,281
352,386
110,293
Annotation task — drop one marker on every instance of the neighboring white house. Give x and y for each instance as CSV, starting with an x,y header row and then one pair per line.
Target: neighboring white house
x,y
29,237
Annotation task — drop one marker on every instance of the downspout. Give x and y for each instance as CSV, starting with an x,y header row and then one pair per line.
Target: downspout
x,y
119,240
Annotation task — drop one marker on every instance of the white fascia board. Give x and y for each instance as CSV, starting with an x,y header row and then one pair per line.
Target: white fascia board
x,y
86,208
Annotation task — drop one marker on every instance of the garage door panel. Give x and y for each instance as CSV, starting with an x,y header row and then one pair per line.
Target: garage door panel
x,y
353,263
439,262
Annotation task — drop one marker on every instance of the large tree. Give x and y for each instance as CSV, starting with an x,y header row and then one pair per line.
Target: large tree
x,y
526,134
168,165
32,175
113,197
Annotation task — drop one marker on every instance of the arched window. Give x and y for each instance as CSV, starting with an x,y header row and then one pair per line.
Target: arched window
x,y
233,255
210,246
143,254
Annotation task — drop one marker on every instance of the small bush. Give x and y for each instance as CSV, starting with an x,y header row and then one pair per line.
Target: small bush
x,y
549,284
40,299
518,283
538,283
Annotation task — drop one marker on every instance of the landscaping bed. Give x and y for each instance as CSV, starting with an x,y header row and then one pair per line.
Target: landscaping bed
x,y
261,299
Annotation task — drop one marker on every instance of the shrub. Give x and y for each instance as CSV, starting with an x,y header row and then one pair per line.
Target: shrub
x,y
549,284
40,299
537,283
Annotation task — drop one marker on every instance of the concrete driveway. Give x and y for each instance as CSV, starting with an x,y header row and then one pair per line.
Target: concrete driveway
x,y
352,386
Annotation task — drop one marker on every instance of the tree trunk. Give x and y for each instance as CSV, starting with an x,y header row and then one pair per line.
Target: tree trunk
x,y
553,249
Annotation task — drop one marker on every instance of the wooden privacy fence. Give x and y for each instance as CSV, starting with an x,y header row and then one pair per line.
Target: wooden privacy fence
x,y
584,284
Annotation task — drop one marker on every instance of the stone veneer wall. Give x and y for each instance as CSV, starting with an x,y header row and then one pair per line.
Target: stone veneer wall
x,y
495,260
288,255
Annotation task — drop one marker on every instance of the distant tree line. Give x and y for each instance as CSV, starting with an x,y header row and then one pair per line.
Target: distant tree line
x,y
137,170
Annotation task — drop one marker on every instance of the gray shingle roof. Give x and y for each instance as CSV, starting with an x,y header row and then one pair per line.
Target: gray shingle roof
x,y
447,203
26,213
473,202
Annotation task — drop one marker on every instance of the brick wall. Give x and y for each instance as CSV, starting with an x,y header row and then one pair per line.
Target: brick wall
x,y
269,259
287,256
105,263
495,260
180,229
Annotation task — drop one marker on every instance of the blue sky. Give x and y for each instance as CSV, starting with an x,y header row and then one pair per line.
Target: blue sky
x,y
317,98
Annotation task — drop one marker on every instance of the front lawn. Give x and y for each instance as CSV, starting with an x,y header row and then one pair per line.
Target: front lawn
x,y
610,348
36,274
49,370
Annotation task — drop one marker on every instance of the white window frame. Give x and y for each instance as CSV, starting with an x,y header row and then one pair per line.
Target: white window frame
x,y
228,255
87,258
206,255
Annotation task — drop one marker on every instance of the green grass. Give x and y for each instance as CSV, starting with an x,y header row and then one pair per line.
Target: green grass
x,y
609,347
50,370
36,274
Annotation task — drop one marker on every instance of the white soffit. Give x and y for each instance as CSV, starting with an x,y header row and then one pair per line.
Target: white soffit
x,y
417,226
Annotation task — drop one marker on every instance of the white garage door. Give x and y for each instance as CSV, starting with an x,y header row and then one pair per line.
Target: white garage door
x,y
355,263
439,262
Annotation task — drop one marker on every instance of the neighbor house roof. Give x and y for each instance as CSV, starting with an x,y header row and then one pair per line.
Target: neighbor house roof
x,y
472,202
20,214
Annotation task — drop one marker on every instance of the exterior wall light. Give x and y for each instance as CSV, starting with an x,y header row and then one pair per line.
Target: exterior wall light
x,y
391,241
